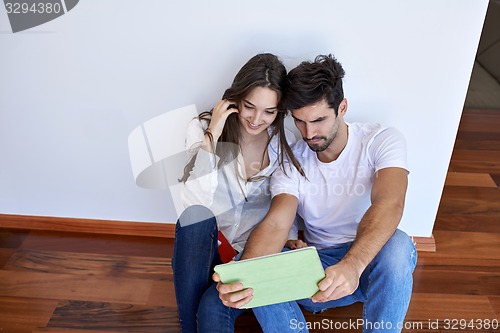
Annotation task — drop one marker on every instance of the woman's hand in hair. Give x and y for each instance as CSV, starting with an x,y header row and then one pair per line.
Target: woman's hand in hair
x,y
220,112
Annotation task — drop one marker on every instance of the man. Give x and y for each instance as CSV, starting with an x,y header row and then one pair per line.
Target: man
x,y
351,202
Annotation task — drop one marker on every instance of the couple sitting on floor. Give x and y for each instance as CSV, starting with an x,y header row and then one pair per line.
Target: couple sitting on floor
x,y
347,181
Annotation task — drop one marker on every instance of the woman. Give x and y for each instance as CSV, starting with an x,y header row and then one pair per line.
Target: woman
x,y
234,149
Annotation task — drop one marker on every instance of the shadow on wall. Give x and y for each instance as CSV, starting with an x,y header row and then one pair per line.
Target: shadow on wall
x,y
484,86
157,152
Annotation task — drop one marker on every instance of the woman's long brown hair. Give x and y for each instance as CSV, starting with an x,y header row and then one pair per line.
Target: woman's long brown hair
x,y
262,70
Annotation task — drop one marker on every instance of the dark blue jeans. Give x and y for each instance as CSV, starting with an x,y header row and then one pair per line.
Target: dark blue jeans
x,y
198,303
195,255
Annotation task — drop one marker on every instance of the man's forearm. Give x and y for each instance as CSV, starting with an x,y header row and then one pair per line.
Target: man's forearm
x,y
264,240
375,229
382,218
271,234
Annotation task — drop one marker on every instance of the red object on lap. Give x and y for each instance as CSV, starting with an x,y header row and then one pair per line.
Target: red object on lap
x,y
226,251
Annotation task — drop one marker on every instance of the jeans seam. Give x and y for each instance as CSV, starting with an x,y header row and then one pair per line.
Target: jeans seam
x,y
209,262
370,267
229,323
212,254
295,314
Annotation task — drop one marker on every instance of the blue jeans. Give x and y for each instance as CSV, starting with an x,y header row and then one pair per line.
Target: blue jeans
x,y
385,286
214,317
198,303
195,255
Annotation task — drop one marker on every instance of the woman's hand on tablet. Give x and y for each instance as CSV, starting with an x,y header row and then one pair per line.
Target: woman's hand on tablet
x,y
294,244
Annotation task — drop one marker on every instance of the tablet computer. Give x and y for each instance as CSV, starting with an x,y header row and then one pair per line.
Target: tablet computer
x,y
276,278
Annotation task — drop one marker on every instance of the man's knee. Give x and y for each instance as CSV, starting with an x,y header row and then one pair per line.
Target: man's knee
x,y
213,316
398,255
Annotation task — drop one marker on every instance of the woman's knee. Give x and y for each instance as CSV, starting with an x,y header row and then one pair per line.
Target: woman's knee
x,y
195,214
195,221
195,233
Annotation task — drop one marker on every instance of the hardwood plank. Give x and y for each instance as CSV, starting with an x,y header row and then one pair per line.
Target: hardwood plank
x,y
65,224
481,112
461,283
471,193
70,330
484,124
472,245
469,179
467,206
469,222
84,231
477,141
425,244
64,286
90,264
163,294
10,238
496,178
470,201
495,304
442,262
475,160
25,312
114,317
478,136
484,144
5,255
17,328
425,307
475,166
98,244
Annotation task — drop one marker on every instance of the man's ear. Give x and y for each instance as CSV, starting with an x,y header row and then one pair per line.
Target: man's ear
x,y
343,107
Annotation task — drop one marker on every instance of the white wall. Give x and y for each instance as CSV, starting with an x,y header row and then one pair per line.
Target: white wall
x,y
72,90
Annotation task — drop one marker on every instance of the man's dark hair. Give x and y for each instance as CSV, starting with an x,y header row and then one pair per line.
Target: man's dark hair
x,y
311,82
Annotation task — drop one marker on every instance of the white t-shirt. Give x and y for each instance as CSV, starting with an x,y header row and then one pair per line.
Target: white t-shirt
x,y
224,192
336,195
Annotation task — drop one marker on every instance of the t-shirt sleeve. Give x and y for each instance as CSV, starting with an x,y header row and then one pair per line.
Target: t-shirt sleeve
x,y
388,149
285,183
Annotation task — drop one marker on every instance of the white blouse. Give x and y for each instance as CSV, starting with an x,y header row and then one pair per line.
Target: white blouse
x,y
223,190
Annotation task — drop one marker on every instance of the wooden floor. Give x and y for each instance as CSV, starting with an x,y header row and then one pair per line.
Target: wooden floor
x,y
70,282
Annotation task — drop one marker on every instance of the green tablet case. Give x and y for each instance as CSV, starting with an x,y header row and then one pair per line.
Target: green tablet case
x,y
276,278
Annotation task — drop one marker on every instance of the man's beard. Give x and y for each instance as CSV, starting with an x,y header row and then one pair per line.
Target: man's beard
x,y
328,141
319,148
